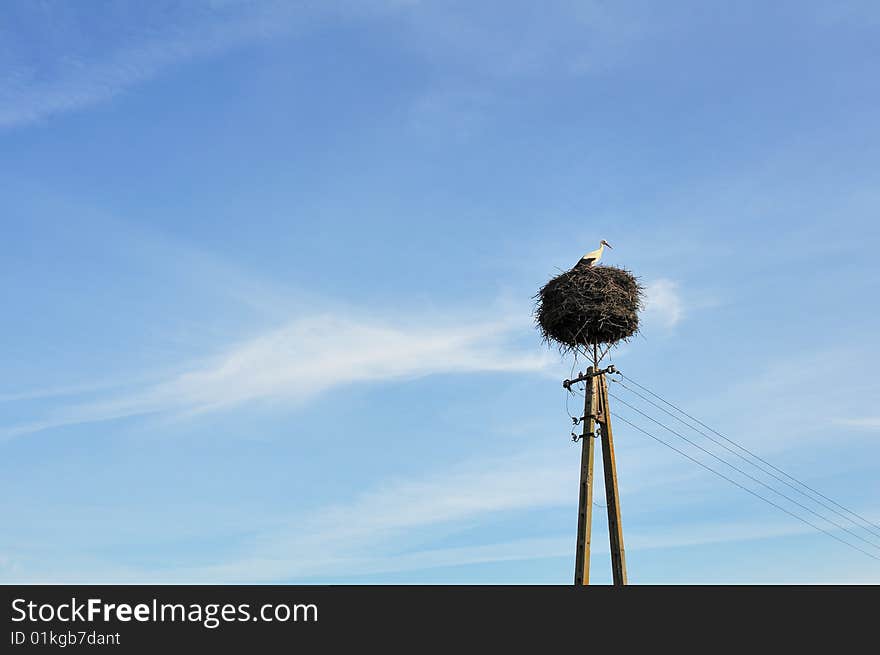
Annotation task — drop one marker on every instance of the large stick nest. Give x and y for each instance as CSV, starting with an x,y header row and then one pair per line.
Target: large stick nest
x,y
589,305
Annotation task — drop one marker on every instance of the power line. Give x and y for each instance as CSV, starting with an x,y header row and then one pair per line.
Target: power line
x,y
744,488
748,475
869,525
745,459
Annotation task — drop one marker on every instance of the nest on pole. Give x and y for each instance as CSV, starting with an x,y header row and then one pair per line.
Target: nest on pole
x,y
589,306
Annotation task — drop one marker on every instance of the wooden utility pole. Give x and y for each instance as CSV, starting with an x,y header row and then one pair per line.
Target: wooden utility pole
x,y
585,502
612,497
596,412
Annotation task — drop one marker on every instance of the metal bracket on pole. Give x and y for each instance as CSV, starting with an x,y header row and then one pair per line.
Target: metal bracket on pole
x,y
582,377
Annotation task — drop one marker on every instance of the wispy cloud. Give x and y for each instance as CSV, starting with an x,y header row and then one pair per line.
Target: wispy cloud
x,y
308,356
78,72
469,43
81,65
51,392
863,422
383,529
663,303
361,533
385,521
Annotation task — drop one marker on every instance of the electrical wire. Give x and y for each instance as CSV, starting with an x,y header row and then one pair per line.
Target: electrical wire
x,y
744,488
569,392
748,475
747,460
868,525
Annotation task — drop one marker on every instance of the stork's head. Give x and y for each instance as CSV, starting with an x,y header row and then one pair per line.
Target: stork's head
x,y
605,243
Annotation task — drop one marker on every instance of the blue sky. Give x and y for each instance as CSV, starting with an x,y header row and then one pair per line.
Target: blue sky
x,y
268,266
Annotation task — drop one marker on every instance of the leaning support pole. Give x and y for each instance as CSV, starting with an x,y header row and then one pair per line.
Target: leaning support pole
x,y
615,529
585,502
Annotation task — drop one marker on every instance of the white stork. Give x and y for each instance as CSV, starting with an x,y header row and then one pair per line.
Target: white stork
x,y
595,255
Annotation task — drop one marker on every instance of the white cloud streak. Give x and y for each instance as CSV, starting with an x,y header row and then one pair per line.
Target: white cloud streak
x,y
864,422
663,303
382,530
309,356
355,535
77,71
75,80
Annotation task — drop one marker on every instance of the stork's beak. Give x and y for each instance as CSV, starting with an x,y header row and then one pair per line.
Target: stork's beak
x,y
608,244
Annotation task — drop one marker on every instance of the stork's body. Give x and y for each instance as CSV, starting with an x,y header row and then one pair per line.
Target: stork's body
x,y
595,255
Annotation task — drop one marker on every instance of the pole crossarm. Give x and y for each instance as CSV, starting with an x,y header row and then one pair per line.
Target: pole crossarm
x,y
586,376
